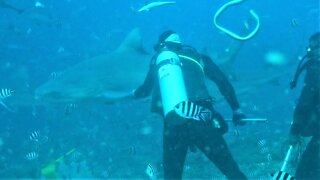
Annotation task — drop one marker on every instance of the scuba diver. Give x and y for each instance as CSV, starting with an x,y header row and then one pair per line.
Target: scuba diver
x,y
306,117
176,78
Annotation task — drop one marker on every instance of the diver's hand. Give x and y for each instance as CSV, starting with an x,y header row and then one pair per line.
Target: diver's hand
x,y
131,95
294,139
293,84
238,115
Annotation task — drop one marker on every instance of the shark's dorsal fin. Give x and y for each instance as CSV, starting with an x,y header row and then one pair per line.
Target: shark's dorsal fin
x,y
132,41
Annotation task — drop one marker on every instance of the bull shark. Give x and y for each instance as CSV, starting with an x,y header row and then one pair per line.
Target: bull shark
x,y
149,6
109,76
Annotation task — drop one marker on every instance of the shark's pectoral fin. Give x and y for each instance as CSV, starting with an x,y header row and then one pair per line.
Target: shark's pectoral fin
x,y
111,97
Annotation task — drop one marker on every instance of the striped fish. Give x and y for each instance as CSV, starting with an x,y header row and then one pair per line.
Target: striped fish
x,y
35,136
281,175
236,133
262,142
69,108
190,110
4,93
262,146
150,171
53,75
32,156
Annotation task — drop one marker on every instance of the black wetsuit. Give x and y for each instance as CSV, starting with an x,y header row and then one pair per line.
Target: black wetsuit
x,y
307,121
177,139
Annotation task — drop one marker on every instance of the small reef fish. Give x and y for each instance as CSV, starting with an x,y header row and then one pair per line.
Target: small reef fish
x,y
262,142
32,156
69,108
37,137
150,171
132,150
53,75
149,6
5,93
294,23
262,146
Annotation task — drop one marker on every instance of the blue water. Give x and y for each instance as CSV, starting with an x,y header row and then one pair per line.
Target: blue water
x,y
44,40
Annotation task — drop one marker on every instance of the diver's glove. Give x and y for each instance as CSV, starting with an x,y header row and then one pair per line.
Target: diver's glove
x,y
132,95
293,84
238,115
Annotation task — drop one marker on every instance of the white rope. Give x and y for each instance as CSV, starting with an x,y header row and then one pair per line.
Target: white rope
x,y
286,160
230,33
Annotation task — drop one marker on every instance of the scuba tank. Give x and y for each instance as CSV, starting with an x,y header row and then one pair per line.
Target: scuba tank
x,y
177,109
171,81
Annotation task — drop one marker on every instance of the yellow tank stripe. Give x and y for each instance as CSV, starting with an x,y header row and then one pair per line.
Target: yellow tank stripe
x,y
193,60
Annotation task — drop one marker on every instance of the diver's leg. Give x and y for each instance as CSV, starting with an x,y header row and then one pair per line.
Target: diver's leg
x,y
305,106
308,167
175,147
210,141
